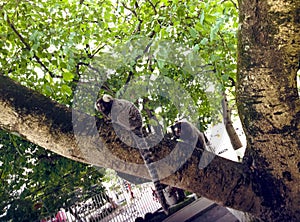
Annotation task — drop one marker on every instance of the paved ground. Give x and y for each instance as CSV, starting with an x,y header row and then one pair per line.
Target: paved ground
x,y
202,210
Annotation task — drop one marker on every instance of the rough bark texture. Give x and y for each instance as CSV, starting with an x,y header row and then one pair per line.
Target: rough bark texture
x,y
37,119
268,102
48,124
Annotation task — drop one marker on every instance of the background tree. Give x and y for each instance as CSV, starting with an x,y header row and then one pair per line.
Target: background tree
x,y
36,182
47,46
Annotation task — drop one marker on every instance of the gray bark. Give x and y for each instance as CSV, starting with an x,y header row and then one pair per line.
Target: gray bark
x,y
268,102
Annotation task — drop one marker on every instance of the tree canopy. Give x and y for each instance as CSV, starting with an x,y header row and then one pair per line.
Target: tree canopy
x,y
50,43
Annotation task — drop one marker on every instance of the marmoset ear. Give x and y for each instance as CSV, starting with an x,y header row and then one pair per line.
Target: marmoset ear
x,y
176,129
107,98
104,105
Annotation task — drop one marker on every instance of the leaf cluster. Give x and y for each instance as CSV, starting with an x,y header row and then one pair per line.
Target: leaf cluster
x,y
31,175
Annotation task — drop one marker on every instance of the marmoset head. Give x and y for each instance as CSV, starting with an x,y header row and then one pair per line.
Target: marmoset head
x,y
176,129
104,104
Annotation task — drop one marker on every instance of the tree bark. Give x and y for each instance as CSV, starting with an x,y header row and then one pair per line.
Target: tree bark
x,y
49,124
268,101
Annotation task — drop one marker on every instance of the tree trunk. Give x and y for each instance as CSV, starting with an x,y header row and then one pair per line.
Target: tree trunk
x,y
268,101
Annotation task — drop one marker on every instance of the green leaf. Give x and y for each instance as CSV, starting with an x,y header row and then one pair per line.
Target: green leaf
x,y
157,28
196,47
194,33
212,34
68,76
202,17
160,64
204,41
66,89
47,89
49,78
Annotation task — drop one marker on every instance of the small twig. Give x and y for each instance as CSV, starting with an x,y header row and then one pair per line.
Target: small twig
x,y
235,5
130,75
78,65
96,51
138,27
234,138
149,64
152,34
223,41
153,6
136,5
144,52
133,11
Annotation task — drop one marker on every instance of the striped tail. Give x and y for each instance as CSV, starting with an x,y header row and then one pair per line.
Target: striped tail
x,y
148,160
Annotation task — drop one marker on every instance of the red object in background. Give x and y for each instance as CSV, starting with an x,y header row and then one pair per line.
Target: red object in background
x,y
129,189
61,216
154,194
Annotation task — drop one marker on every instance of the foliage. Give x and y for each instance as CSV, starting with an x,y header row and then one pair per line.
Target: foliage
x,y
46,45
36,181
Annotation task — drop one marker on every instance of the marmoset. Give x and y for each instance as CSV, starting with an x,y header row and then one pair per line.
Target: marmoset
x,y
127,115
192,131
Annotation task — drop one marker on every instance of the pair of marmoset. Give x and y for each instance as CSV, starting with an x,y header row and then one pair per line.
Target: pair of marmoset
x,y
127,115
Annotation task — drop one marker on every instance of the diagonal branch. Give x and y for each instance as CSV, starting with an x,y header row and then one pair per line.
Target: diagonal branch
x,y
96,51
153,6
49,124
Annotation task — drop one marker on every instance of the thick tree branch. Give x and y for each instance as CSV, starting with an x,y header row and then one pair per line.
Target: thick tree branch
x,y
48,124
